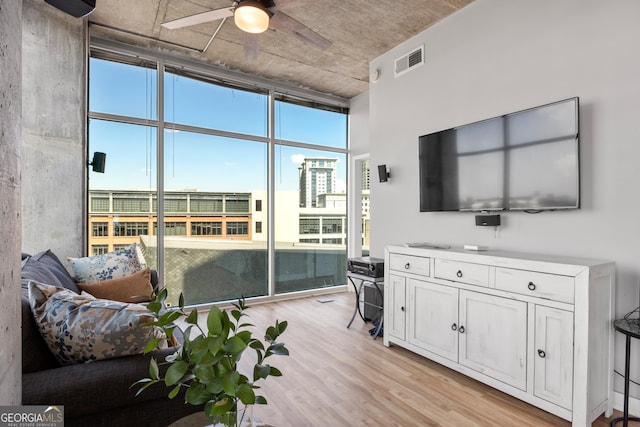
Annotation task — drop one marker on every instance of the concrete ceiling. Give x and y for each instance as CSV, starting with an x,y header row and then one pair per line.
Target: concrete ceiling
x,y
358,30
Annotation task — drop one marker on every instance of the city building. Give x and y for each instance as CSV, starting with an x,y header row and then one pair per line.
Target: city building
x,y
118,217
317,176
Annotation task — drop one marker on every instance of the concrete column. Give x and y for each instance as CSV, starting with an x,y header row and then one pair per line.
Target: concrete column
x,y
54,161
10,219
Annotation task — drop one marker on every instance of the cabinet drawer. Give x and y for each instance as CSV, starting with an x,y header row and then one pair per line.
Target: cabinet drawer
x,y
541,285
464,272
409,264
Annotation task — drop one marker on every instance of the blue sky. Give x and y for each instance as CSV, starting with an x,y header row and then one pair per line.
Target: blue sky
x,y
193,160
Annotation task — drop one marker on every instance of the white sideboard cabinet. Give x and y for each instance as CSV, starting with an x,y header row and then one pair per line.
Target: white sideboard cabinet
x,y
536,327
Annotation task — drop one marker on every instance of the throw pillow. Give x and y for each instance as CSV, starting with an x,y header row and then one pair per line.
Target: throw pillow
x,y
80,329
134,288
45,267
112,265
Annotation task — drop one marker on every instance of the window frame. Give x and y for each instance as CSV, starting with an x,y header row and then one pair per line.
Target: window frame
x,y
163,61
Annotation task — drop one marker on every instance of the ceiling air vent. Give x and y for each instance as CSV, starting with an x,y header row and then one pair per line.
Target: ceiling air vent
x,y
409,61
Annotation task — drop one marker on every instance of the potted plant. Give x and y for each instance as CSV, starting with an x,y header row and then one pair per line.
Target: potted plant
x,y
206,364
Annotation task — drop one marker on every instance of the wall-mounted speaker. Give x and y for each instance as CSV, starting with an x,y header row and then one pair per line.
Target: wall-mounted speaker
x,y
98,162
488,220
383,173
77,8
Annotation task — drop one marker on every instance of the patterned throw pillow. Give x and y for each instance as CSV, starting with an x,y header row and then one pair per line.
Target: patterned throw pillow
x,y
112,265
80,328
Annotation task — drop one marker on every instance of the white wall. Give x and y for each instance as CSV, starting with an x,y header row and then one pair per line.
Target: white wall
x,y
359,124
499,56
359,152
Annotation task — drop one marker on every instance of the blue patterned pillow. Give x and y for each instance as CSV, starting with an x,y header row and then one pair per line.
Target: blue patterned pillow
x,y
112,265
81,328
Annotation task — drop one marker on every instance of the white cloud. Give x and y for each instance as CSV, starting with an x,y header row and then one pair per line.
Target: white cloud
x,y
298,159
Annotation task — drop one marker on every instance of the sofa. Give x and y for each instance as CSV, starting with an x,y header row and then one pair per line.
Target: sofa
x,y
96,393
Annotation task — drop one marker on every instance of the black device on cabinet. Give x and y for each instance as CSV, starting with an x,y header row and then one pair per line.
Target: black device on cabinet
x,y
526,160
366,266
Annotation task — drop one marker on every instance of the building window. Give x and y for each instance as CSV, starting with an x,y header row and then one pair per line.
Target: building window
x,y
122,229
332,241
175,228
258,205
331,225
175,205
120,247
99,229
172,228
99,204
212,228
208,205
237,206
309,240
99,249
309,225
258,226
124,204
237,228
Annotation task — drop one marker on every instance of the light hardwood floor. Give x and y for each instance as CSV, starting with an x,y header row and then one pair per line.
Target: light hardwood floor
x,y
341,377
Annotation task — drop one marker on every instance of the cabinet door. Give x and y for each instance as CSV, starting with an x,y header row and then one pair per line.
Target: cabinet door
x,y
433,318
395,307
553,358
493,337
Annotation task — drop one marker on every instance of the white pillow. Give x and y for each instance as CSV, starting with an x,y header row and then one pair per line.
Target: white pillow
x,y
112,265
80,329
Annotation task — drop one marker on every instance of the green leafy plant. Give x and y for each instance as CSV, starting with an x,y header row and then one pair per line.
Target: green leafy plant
x,y
206,364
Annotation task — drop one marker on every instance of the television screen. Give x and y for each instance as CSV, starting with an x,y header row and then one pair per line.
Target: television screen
x,y
528,160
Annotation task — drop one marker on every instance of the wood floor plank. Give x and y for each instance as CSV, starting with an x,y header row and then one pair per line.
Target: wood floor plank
x,y
341,377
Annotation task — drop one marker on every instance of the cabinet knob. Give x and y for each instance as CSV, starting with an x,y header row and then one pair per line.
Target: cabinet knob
x,y
531,286
542,354
461,329
402,308
406,266
454,327
459,273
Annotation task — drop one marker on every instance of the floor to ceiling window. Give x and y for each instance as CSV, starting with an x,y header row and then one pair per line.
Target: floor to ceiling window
x,y
219,159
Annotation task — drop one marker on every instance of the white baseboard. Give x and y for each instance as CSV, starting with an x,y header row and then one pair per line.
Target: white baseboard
x,y
634,404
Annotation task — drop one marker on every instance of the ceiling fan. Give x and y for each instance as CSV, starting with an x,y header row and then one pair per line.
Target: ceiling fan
x,y
254,17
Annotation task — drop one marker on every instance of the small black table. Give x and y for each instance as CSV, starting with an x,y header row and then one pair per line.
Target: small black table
x,y
376,282
631,329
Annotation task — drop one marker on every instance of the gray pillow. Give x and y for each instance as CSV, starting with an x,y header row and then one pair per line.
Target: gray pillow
x,y
49,260
36,356
33,269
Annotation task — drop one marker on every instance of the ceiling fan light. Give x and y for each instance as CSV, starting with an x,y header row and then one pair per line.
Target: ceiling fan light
x,y
251,16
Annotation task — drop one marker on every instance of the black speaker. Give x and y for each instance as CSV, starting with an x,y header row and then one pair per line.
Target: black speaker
x,y
77,8
488,220
383,174
98,162
372,301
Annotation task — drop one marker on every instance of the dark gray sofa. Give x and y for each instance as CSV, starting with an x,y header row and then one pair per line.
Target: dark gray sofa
x,y
96,393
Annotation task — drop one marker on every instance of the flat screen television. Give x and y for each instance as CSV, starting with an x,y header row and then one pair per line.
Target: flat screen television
x,y
527,160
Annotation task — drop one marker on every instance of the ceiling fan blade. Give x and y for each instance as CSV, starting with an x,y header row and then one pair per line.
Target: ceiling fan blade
x,y
199,18
283,22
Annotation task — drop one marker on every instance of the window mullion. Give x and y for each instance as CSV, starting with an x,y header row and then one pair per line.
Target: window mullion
x,y
271,172
160,174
